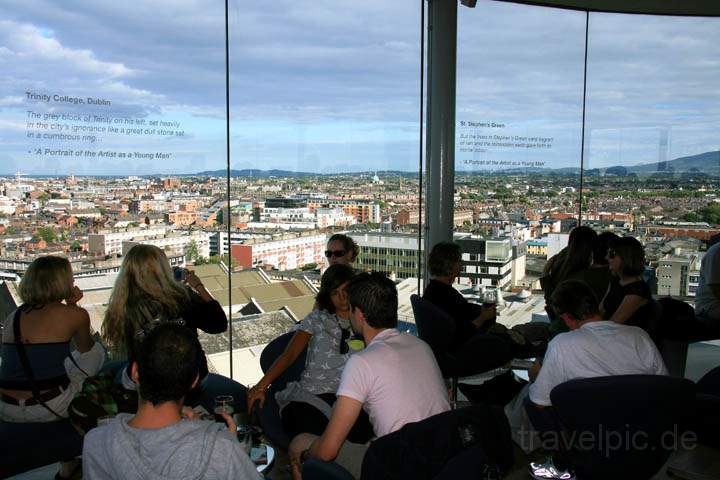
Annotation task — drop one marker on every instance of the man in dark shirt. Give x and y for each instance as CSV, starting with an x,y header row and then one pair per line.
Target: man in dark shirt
x,y
470,318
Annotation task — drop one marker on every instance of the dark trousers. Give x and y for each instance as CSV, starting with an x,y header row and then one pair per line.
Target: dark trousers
x,y
546,423
300,417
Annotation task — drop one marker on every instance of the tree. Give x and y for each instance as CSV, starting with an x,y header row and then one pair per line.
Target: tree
x,y
46,233
76,246
691,217
192,251
710,214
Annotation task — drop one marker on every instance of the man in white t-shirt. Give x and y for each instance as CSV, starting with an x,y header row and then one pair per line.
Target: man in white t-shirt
x,y
592,348
395,379
707,297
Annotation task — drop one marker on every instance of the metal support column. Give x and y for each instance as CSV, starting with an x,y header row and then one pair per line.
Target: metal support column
x,y
440,145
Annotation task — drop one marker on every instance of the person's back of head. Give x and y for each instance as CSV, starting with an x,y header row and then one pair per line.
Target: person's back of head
x,y
48,279
575,298
443,259
144,290
601,246
376,296
578,255
632,254
168,363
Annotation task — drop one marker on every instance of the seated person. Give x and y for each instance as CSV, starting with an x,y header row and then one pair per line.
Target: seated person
x,y
470,318
341,249
594,347
576,257
306,405
629,300
43,329
146,292
707,298
597,275
157,442
395,379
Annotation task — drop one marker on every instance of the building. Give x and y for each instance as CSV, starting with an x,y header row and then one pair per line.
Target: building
x,y
175,242
110,243
537,248
678,276
699,230
364,211
282,252
395,254
219,244
488,262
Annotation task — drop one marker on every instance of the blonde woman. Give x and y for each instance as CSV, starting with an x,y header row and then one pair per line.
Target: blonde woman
x,y
42,331
146,291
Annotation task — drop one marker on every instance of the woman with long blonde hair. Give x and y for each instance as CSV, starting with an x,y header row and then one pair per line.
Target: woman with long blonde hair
x,y
147,291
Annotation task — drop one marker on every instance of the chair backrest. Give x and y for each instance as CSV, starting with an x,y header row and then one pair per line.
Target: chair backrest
x,y
436,447
434,326
314,469
270,414
623,426
26,446
272,351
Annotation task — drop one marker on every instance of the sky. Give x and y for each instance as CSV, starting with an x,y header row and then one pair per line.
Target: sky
x,y
334,86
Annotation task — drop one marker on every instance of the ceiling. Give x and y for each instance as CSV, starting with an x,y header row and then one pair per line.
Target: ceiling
x,y
654,7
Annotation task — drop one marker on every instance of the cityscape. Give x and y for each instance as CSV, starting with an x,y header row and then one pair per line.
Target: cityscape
x,y
280,223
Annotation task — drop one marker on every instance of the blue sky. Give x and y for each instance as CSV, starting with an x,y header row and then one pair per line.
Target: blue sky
x,y
332,86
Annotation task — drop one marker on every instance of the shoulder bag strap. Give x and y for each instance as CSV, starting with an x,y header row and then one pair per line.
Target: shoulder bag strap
x,y
25,362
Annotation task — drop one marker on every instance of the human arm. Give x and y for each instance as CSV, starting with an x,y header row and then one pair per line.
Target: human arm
x,y
293,350
208,316
196,284
344,414
551,374
82,337
487,314
534,370
628,307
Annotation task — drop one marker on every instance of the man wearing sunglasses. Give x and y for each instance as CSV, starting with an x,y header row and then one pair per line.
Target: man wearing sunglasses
x,y
396,379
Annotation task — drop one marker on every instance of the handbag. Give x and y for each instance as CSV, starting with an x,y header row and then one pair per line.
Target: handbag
x,y
100,397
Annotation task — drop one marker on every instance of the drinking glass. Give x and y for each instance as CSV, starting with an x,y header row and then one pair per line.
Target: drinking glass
x,y
223,404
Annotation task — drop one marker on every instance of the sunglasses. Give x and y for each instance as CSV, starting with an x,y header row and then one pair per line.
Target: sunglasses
x,y
344,347
335,253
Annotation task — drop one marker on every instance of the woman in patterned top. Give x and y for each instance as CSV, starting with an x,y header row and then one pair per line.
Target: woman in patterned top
x,y
306,405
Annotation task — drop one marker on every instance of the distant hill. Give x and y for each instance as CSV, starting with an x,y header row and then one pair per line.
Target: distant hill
x,y
253,172
706,163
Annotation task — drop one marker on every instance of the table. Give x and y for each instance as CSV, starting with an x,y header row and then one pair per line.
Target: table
x,y
270,459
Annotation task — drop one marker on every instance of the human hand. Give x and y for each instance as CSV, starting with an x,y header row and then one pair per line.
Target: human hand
x,y
256,394
534,370
189,414
232,426
75,296
192,280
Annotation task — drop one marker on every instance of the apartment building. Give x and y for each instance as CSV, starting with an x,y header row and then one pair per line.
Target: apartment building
x,y
282,252
110,243
678,275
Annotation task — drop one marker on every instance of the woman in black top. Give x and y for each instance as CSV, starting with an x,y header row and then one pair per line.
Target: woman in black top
x,y
146,293
628,301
